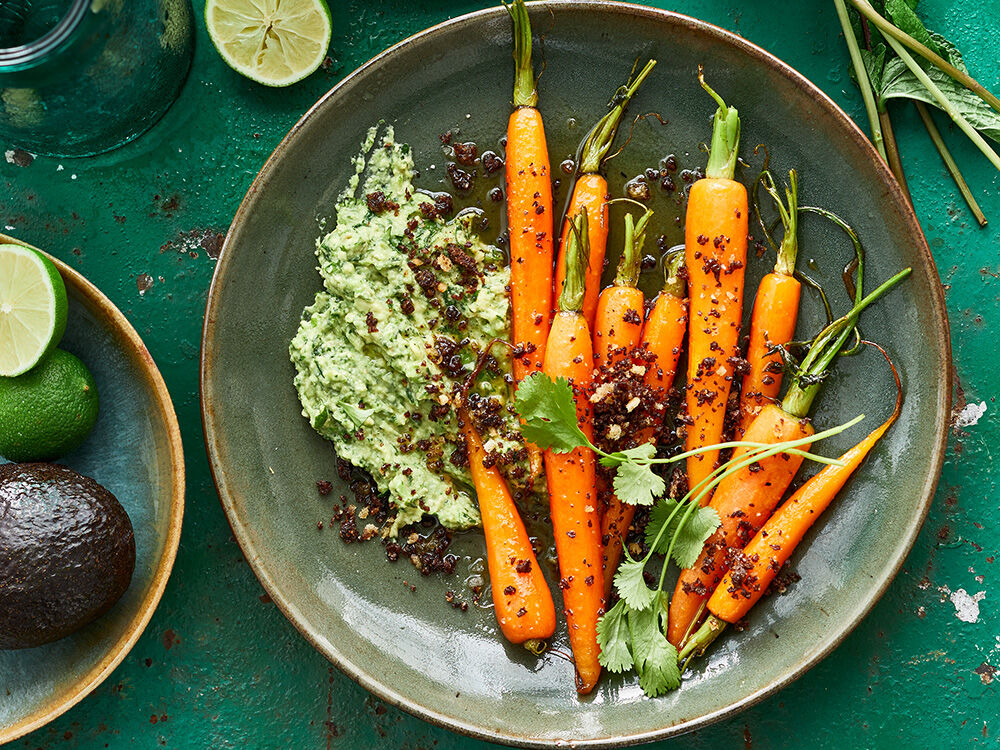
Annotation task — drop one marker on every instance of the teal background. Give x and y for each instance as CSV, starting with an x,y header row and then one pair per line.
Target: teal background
x,y
219,666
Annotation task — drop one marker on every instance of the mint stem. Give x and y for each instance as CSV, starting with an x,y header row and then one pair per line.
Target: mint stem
x,y
861,72
949,162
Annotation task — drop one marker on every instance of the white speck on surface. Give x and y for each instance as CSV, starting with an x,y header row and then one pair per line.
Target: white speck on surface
x,y
966,606
9,155
970,415
60,168
72,176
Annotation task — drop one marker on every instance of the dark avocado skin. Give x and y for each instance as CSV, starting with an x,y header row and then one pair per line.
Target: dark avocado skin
x,y
67,553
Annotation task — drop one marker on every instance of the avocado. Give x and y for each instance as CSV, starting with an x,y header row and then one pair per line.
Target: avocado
x,y
67,553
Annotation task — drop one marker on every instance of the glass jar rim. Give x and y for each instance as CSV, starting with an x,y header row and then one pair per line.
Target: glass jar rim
x,y
25,55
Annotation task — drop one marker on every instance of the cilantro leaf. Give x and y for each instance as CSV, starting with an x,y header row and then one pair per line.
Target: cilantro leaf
x,y
638,484
614,639
549,413
630,584
689,539
654,656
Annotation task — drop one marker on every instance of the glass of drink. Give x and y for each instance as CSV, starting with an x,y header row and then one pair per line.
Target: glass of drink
x,y
79,77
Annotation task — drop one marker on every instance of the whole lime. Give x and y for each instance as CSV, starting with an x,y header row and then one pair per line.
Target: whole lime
x,y
49,410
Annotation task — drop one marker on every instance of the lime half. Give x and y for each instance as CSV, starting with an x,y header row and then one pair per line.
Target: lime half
x,y
32,308
273,42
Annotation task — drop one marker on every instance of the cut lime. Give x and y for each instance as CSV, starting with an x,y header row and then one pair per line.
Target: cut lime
x,y
273,42
32,308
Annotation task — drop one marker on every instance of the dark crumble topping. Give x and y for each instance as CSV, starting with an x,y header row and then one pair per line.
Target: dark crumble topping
x,y
378,203
466,153
371,322
323,487
460,179
491,162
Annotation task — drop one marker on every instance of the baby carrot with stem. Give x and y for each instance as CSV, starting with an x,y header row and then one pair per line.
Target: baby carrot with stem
x,y
743,506
618,321
769,550
663,338
529,215
715,243
522,601
775,310
590,191
572,480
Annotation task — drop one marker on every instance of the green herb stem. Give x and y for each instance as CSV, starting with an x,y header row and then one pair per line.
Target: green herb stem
x,y
949,162
897,35
892,152
525,88
724,151
789,250
630,264
577,257
864,83
599,141
944,102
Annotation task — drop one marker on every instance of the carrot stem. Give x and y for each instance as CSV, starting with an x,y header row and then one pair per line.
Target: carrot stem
x,y
525,84
631,262
599,141
725,146
861,72
577,253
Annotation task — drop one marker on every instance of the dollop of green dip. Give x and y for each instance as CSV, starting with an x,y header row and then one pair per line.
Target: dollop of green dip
x,y
409,303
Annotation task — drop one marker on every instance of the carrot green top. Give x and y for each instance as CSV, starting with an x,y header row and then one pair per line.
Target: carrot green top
x,y
673,282
789,250
725,137
635,237
525,91
599,141
577,257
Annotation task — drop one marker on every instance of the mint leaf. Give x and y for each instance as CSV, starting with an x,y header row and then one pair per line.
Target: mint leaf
x,y
614,639
654,656
903,16
549,413
630,584
691,537
638,484
900,83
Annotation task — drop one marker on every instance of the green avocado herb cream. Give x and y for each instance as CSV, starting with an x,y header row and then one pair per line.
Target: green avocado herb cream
x,y
409,303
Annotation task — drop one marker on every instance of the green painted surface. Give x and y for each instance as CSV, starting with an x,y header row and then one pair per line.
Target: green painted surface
x,y
219,666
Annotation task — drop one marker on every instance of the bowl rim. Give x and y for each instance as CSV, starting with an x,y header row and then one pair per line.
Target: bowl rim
x,y
60,703
941,341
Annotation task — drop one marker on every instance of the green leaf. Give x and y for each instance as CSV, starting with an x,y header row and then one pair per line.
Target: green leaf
x,y
615,640
654,656
630,584
638,484
355,413
691,537
874,61
549,413
905,18
900,83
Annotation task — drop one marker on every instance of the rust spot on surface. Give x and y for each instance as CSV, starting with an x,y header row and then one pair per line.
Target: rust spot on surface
x,y
170,639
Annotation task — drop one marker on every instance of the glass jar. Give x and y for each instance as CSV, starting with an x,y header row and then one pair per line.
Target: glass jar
x,y
79,77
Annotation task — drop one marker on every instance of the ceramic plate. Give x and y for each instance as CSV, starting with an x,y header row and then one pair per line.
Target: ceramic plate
x,y
134,451
413,650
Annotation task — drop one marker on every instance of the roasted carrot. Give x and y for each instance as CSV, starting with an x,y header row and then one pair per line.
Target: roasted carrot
x,y
529,208
769,550
572,482
715,244
662,339
522,601
775,312
529,215
590,191
743,500
745,504
618,322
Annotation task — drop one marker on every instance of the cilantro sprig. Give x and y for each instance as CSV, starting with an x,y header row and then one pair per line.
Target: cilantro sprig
x,y
632,634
